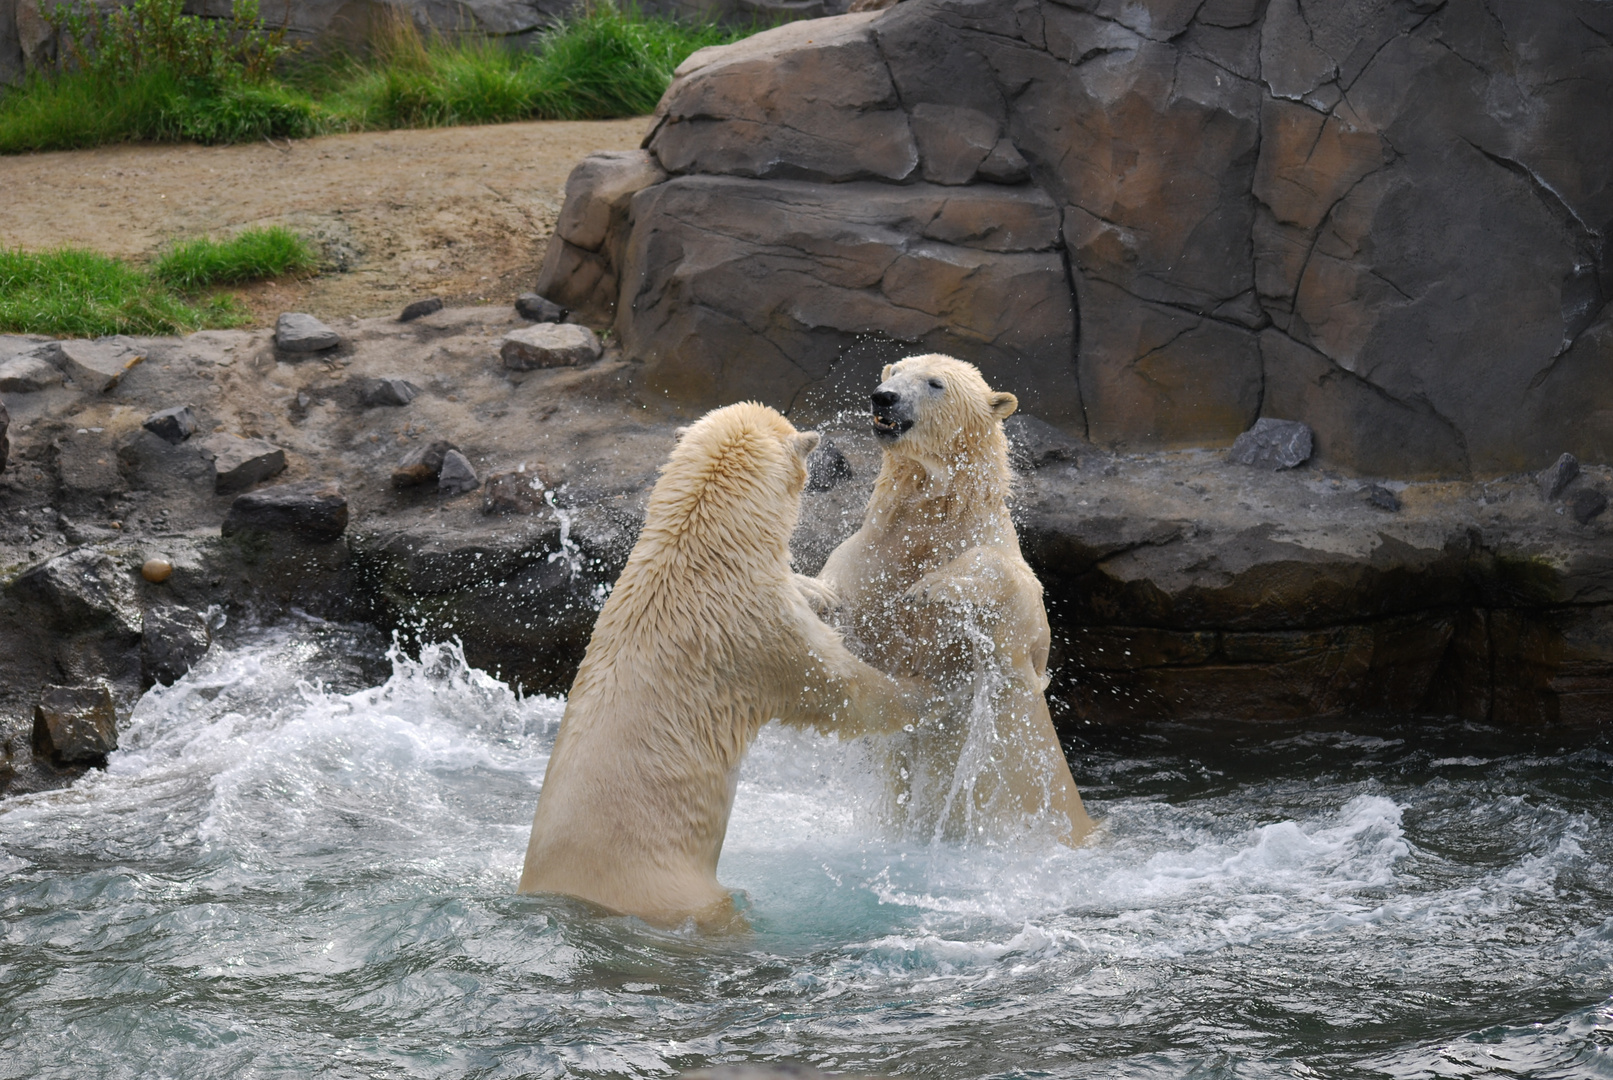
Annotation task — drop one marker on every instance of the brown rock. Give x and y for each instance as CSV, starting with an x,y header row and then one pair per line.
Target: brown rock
x,y
774,285
548,345
581,265
75,724
804,100
516,492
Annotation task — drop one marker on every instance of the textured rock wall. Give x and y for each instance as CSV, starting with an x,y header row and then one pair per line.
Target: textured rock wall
x,y
1387,218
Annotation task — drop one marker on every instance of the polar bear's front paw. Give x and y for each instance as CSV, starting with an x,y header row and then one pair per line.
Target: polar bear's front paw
x,y
947,591
822,599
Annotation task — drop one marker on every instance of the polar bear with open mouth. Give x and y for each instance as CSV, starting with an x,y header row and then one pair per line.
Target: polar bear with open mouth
x,y
934,586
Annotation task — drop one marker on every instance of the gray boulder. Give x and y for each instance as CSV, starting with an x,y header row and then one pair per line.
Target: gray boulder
x,y
172,425
549,345
421,465
1586,504
390,391
75,725
314,510
240,462
1273,444
582,266
81,590
827,467
296,332
1384,220
539,309
421,308
1559,476
457,475
175,638
96,366
28,373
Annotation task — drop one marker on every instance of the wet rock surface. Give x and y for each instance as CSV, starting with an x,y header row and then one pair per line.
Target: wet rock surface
x,y
75,725
1180,585
1388,221
314,510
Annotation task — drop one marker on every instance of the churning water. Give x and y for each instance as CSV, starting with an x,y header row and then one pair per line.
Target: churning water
x,y
279,877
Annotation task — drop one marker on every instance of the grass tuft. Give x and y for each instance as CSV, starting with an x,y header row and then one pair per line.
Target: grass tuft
x,y
71,293
251,255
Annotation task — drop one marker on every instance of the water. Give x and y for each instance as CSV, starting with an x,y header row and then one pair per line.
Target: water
x,y
282,878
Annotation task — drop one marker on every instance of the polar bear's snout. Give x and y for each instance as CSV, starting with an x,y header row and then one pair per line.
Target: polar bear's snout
x,y
893,414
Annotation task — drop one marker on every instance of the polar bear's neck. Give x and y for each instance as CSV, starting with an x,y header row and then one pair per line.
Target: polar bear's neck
x,y
960,494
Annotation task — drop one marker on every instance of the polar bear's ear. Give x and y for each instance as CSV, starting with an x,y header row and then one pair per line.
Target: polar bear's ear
x,y
677,436
885,372
804,442
1002,404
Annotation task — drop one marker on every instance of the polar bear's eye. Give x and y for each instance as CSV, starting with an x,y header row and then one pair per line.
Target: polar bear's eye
x,y
936,383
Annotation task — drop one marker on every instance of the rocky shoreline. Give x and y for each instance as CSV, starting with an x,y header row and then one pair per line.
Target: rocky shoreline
x,y
1181,585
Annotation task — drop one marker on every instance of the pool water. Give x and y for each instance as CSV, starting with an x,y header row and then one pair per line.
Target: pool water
x,y
301,864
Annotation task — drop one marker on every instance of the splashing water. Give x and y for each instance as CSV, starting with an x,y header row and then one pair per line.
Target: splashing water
x,y
281,876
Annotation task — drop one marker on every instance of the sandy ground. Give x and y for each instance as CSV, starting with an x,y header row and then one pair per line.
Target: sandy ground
x,y
461,213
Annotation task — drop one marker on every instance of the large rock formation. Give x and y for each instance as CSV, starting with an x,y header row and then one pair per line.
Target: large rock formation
x,y
1388,219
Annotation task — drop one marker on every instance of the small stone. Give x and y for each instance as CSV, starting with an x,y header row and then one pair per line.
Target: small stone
x,y
1561,473
96,365
827,467
1273,444
156,570
548,345
515,493
540,309
29,373
1382,497
300,333
172,425
75,724
1036,444
456,476
239,463
311,509
420,465
421,308
1585,504
175,638
388,391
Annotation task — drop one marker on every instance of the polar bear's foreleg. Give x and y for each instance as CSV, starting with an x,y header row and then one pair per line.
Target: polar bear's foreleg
x,y
842,695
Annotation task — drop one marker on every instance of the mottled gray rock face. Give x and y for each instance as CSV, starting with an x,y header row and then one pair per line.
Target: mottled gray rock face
x,y
238,462
1272,444
314,510
548,345
296,332
1388,220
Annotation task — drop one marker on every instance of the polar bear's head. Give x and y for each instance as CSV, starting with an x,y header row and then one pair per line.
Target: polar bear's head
x,y
939,410
734,479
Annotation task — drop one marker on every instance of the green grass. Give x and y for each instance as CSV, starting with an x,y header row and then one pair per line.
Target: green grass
x,y
251,255
600,64
72,293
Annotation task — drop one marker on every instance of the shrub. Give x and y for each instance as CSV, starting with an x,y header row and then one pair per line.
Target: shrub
x,y
251,255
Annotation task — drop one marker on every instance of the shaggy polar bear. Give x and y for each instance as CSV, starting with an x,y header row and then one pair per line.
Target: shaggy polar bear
x,y
933,585
706,636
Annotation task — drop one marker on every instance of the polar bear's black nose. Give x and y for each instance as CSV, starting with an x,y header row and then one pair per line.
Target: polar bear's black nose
x,y
884,399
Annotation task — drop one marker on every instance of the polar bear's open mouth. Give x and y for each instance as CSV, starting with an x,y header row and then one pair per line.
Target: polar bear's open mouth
x,y
888,428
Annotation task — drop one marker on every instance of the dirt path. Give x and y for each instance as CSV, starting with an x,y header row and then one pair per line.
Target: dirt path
x,y
461,213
